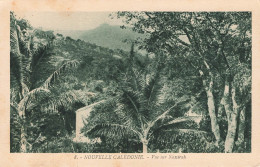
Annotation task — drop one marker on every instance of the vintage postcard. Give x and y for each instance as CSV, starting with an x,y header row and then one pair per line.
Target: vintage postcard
x,y
130,83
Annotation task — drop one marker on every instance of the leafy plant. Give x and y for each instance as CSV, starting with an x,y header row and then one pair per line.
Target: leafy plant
x,y
141,107
28,51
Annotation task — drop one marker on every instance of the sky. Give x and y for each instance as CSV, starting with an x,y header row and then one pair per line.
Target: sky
x,y
68,20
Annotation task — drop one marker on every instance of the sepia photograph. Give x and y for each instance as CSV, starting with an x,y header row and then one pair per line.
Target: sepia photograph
x,y
131,82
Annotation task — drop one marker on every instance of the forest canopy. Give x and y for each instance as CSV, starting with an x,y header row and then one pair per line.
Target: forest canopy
x,y
189,90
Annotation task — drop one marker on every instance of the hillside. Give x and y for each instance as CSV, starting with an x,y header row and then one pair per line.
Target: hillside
x,y
180,97
105,35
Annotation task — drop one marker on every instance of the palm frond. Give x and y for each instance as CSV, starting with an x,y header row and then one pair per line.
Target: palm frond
x,y
112,130
164,113
182,119
51,79
38,54
33,94
16,55
14,39
15,70
152,89
65,99
187,131
127,116
54,102
128,108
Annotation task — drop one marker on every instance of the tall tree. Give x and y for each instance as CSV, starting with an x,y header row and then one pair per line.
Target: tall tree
x,y
216,45
142,106
27,52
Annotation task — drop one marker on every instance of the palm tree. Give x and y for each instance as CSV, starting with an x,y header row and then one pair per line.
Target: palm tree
x,y
142,106
27,87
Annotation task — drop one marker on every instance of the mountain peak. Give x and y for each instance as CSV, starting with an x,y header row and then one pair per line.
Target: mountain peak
x,y
106,35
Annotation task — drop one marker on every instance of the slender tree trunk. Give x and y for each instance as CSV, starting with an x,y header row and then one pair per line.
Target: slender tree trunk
x,y
211,107
226,100
145,141
232,124
221,108
229,143
212,114
241,126
145,146
23,145
23,142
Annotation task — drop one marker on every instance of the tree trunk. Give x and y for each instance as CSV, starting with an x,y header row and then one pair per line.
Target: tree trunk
x,y
226,100
229,143
23,145
212,114
241,126
145,141
211,104
221,108
145,146
232,124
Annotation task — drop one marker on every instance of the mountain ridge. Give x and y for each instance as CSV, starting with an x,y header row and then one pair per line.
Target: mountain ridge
x,y
105,35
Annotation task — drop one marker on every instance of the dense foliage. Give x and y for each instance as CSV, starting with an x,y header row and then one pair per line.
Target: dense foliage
x,y
190,92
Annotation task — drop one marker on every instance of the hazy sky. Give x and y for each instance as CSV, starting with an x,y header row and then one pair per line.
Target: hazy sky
x,y
68,20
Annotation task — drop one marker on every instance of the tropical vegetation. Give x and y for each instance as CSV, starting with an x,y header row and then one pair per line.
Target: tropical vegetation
x,y
189,90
